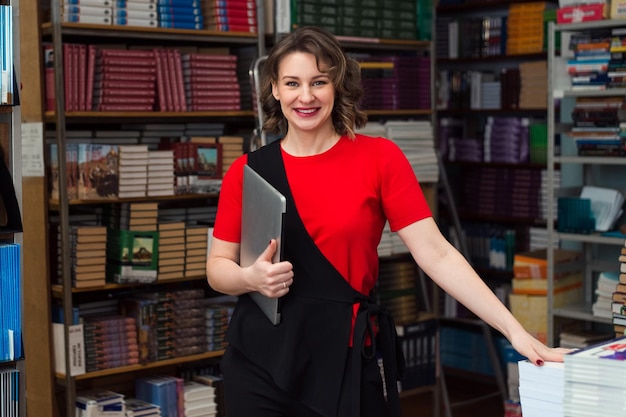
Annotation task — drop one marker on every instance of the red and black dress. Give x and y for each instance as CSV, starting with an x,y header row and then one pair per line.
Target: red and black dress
x,y
337,205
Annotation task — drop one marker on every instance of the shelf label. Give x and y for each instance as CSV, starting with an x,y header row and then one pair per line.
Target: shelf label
x,y
33,164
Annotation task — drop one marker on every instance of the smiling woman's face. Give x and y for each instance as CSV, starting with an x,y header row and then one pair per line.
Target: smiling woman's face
x,y
306,95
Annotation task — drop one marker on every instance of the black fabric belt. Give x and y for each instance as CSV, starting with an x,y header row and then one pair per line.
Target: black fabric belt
x,y
393,359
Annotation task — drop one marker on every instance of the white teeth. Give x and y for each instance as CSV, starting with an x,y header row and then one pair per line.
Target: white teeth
x,y
307,111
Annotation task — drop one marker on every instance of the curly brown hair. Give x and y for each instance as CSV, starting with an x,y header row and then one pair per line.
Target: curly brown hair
x,y
344,73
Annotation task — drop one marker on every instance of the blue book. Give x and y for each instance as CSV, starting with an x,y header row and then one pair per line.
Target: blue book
x,y
180,10
163,17
180,25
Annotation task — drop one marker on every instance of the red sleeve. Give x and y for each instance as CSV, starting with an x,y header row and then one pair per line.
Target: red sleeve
x,y
403,200
228,218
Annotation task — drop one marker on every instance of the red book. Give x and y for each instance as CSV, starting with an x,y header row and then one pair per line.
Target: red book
x,y
67,80
225,27
217,94
48,53
82,76
215,86
232,4
205,63
214,107
171,72
180,84
208,72
124,76
126,107
161,94
126,53
198,80
91,71
232,20
209,57
229,12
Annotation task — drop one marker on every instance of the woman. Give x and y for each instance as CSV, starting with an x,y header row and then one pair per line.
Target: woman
x,y
341,188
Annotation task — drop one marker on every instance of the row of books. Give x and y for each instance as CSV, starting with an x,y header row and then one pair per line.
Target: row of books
x,y
142,251
159,395
521,31
223,15
10,302
509,89
142,328
10,392
7,81
395,82
597,62
159,79
105,171
393,19
599,126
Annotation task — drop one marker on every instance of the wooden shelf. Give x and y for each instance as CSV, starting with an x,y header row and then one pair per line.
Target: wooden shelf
x,y
57,289
136,368
139,117
54,204
152,34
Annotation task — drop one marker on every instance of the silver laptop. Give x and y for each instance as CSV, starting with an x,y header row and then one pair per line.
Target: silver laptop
x,y
262,215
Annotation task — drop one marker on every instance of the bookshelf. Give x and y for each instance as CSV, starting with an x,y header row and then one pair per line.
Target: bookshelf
x,y
600,249
476,77
13,362
54,393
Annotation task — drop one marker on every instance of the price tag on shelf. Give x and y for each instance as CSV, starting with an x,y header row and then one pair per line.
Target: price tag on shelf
x,y
33,164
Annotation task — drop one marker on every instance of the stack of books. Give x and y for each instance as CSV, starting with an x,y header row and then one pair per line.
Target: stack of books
x,y
139,408
533,85
217,382
88,251
160,172
231,16
110,342
135,13
541,389
95,11
131,216
161,390
415,139
232,148
196,247
199,400
180,14
211,82
124,97
133,171
217,317
188,308
506,140
171,250
594,380
604,291
100,403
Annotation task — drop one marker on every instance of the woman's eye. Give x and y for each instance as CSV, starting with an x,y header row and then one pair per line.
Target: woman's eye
x,y
291,84
318,83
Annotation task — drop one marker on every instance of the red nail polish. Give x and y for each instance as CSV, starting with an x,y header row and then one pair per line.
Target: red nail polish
x,y
539,362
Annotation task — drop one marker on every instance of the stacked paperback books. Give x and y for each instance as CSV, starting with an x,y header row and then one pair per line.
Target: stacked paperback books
x,y
541,389
594,381
171,251
88,250
196,249
100,403
110,342
199,400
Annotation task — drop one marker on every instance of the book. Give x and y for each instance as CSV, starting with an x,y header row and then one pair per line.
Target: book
x,y
541,388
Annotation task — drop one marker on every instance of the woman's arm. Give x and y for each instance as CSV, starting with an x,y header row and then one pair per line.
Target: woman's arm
x,y
450,270
226,276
